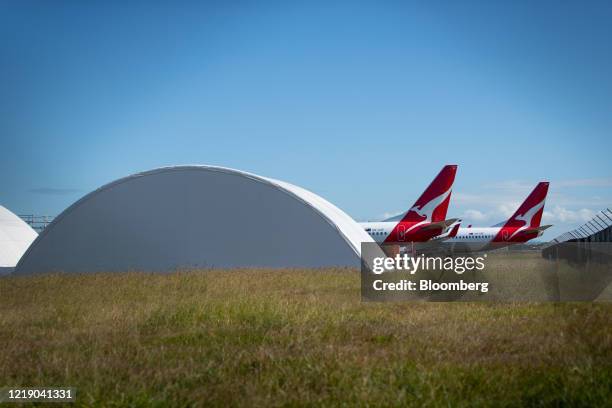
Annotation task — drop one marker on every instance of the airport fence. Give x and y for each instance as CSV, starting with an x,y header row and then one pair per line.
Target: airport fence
x,y
587,243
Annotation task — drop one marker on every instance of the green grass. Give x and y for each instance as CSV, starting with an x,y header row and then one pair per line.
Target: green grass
x,y
293,337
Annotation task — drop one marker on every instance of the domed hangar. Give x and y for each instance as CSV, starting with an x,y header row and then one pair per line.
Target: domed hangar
x,y
195,217
15,237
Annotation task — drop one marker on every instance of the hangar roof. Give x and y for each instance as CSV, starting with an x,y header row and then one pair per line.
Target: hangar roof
x,y
196,216
15,237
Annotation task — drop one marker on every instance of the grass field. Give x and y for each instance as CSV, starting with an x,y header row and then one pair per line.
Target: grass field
x,y
293,337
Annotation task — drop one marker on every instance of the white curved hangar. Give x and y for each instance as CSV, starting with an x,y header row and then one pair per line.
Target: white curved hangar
x,y
195,217
15,238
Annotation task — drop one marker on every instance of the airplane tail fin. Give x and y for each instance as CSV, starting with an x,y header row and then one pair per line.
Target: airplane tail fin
x,y
453,232
432,205
530,212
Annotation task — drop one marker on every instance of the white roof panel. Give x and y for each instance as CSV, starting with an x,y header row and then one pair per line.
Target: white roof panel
x,y
15,238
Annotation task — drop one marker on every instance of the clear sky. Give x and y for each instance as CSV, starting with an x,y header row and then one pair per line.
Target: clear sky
x,y
360,102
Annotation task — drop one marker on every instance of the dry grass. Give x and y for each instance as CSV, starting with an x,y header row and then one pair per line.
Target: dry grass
x,y
293,337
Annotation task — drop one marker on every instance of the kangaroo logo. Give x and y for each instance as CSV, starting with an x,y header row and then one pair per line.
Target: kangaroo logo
x,y
527,217
427,209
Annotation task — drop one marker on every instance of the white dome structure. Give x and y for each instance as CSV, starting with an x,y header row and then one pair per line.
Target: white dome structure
x,y
195,217
15,237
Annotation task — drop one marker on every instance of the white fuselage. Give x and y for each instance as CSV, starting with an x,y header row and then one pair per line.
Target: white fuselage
x,y
379,231
467,239
471,239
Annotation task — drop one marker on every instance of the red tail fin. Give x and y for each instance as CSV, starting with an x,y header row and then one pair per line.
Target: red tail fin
x,y
433,203
454,231
530,212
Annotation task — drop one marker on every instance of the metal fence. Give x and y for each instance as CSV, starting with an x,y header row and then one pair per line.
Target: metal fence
x,y
589,242
597,230
37,222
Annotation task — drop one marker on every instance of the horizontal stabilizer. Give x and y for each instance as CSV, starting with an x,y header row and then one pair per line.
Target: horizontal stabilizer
x,y
450,233
439,224
534,230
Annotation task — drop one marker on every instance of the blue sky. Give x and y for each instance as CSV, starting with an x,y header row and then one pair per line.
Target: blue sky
x,y
361,102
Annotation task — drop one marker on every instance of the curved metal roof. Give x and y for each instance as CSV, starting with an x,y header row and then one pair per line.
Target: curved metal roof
x,y
15,238
196,216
